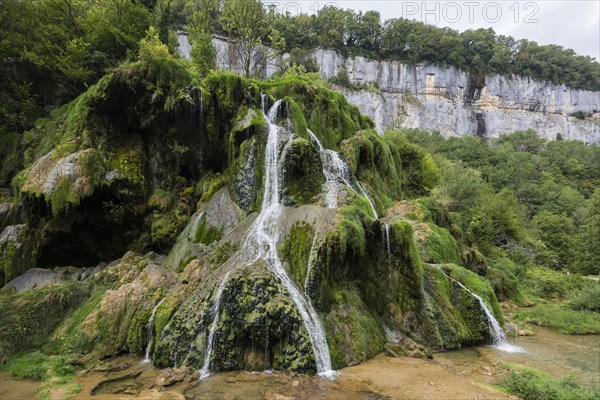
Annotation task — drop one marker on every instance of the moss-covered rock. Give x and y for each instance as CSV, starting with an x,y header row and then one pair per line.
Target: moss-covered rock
x,y
153,158
114,320
302,173
457,314
28,319
259,326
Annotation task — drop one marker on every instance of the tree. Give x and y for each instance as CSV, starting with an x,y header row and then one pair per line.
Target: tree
x,y
246,21
203,53
556,231
588,238
152,48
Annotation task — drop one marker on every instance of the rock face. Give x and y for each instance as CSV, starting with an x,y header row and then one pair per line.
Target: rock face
x,y
450,101
447,100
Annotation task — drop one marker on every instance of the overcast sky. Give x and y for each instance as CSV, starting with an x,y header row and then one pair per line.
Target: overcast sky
x,y
571,24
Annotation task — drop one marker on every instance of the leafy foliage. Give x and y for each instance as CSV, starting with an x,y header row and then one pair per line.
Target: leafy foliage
x,y
479,51
535,200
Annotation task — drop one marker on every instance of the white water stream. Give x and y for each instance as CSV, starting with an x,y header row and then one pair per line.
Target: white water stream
x,y
499,340
261,243
150,328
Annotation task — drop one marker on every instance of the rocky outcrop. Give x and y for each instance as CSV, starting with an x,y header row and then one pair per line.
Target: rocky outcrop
x,y
447,100
37,278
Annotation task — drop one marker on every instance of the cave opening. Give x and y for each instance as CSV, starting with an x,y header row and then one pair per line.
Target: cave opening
x,y
100,228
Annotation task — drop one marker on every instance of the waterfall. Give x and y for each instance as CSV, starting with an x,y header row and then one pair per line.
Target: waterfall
x,y
499,340
261,243
388,247
310,262
368,199
262,240
205,371
150,328
335,169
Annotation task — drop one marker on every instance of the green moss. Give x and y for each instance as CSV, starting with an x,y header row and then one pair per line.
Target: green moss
x,y
376,163
456,317
297,118
328,114
222,253
420,174
477,285
29,318
440,247
206,234
161,200
295,251
128,162
209,185
353,333
502,275
302,174
349,240
136,332
12,261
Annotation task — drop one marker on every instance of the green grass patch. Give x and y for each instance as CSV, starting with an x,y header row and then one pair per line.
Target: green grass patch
x,y
39,366
562,319
55,372
529,384
545,282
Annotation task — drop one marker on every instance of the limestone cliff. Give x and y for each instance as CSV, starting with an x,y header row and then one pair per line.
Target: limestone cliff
x,y
447,100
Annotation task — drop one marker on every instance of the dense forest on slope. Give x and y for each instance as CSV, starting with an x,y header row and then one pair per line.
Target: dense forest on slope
x,y
541,198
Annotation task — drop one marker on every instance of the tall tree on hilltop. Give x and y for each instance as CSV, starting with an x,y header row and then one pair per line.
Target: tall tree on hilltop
x,y
246,21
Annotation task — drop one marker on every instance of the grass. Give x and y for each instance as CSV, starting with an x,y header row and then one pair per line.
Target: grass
x,y
562,319
39,366
529,384
55,372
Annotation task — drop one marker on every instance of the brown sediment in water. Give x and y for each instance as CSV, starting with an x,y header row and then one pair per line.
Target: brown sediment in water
x,y
16,389
461,374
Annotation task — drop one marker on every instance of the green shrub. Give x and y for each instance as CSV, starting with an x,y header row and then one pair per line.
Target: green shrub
x,y
532,385
586,298
579,115
545,282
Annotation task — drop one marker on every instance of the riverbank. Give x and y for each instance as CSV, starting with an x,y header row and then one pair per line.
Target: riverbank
x,y
469,373
379,378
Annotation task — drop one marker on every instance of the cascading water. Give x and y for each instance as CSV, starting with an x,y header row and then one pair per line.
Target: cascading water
x,y
150,328
335,170
310,262
369,200
388,246
205,371
498,337
261,243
